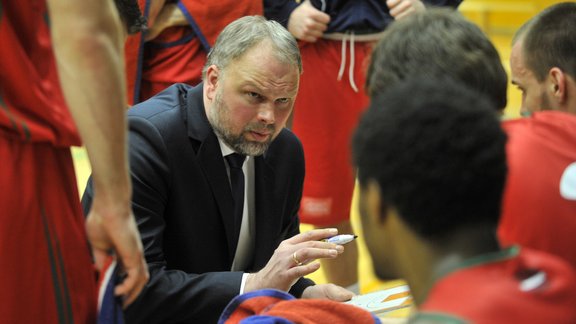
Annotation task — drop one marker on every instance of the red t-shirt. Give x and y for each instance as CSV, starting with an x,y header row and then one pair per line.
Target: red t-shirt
x,y
511,286
32,107
539,206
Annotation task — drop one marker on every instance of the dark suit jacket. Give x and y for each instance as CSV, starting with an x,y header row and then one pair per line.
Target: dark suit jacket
x,y
183,206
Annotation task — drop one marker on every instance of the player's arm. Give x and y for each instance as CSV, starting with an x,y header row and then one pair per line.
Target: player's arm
x,y
88,42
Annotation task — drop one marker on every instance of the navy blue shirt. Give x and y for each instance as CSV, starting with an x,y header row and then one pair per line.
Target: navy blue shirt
x,y
360,16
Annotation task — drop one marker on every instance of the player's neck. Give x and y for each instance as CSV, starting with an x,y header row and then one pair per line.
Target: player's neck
x,y
449,253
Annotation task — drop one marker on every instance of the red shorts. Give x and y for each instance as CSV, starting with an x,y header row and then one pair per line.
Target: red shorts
x,y
325,115
47,274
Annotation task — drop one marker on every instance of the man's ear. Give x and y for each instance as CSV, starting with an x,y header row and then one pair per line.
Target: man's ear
x,y
557,85
377,208
211,82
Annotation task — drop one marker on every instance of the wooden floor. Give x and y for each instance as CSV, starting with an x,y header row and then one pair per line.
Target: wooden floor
x,y
499,20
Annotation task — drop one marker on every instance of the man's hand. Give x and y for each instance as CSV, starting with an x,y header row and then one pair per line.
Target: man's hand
x,y
293,259
403,8
170,15
307,23
328,291
114,230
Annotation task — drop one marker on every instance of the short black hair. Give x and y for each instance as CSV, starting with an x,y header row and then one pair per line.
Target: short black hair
x,y
437,151
438,43
131,15
550,40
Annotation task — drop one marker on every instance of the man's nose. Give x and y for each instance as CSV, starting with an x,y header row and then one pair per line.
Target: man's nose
x,y
266,113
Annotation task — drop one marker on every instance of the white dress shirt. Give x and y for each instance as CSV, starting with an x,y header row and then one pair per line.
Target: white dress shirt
x,y
245,247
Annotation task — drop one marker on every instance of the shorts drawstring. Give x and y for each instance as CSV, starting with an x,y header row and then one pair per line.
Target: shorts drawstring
x,y
348,34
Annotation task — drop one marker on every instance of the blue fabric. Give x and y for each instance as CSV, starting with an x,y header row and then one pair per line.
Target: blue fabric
x,y
264,319
364,16
360,16
111,307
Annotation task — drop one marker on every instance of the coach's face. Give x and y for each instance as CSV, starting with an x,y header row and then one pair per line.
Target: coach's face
x,y
250,101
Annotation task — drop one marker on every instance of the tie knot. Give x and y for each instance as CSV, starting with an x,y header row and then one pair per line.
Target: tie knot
x,y
235,160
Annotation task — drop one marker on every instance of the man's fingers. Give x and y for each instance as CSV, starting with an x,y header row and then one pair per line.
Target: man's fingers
x,y
392,3
308,23
130,254
338,293
316,14
313,235
136,276
303,270
309,39
136,279
100,258
132,285
405,13
321,18
403,8
311,36
399,9
307,255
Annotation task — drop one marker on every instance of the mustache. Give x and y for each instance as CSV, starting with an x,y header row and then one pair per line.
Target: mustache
x,y
260,128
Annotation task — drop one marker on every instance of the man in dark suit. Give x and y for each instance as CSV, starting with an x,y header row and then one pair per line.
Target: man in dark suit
x,y
199,256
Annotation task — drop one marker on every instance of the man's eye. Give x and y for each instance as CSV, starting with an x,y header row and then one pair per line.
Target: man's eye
x,y
253,95
282,100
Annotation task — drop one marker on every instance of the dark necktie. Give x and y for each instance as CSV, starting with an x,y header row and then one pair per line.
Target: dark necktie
x,y
235,162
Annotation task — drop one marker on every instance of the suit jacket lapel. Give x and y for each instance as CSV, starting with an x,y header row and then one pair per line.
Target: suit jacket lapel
x,y
211,161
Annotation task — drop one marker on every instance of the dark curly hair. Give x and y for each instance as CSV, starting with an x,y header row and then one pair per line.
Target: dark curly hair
x,y
437,151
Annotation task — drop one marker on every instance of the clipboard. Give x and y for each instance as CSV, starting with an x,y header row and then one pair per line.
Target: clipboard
x,y
384,301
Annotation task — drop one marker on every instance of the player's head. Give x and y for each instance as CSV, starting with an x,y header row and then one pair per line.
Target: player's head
x,y
542,61
432,152
438,43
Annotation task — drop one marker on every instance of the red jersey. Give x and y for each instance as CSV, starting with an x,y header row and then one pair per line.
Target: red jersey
x,y
32,107
47,273
539,206
178,54
510,286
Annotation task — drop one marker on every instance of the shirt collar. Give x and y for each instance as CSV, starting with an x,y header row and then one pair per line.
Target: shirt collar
x,y
224,148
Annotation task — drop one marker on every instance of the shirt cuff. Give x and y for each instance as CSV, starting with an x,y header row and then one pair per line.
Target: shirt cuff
x,y
243,284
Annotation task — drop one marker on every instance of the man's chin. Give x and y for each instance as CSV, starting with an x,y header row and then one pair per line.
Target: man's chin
x,y
253,148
